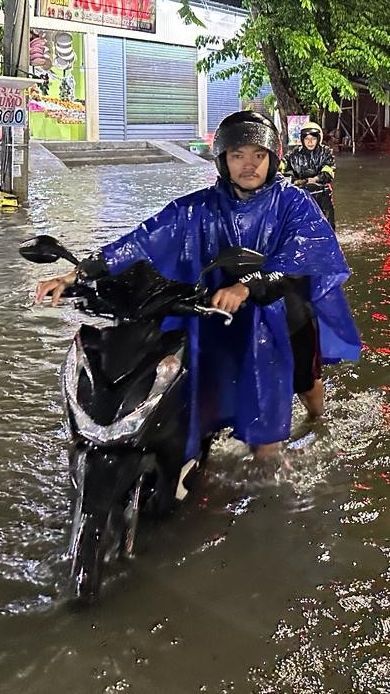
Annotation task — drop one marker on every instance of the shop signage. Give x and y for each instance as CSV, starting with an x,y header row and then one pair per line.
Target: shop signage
x,y
294,125
137,15
12,107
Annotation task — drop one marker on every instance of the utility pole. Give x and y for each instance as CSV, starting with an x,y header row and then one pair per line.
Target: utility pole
x,y
16,64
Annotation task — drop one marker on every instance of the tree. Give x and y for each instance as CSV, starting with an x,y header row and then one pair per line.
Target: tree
x,y
310,50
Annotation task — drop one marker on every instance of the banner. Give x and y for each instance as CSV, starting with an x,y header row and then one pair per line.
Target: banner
x,y
12,107
57,101
137,15
294,125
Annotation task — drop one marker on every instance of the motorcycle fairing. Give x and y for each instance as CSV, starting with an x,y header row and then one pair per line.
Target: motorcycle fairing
x,y
124,348
168,370
119,365
166,434
101,479
103,489
139,293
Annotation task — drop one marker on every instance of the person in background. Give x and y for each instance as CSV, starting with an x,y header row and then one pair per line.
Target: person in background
x,y
311,165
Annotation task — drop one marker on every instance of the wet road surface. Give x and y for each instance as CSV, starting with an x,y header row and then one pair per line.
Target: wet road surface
x,y
256,585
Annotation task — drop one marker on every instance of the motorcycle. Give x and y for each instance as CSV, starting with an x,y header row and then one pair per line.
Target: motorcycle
x,y
124,393
322,193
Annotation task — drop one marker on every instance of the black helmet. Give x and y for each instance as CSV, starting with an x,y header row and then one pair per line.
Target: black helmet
x,y
313,129
246,128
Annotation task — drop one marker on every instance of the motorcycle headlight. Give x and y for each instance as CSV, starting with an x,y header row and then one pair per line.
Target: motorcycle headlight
x,y
129,425
166,371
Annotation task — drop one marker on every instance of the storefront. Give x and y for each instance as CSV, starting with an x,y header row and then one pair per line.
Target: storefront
x,y
222,95
57,104
154,93
123,69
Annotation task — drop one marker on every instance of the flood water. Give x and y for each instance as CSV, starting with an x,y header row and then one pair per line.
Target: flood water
x,y
254,586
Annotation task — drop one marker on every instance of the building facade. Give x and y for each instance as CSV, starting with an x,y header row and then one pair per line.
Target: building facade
x,y
125,69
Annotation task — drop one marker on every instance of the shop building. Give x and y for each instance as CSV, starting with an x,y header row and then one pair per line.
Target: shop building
x,y
125,69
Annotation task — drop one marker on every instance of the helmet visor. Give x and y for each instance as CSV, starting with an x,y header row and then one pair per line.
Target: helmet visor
x,y
314,133
246,133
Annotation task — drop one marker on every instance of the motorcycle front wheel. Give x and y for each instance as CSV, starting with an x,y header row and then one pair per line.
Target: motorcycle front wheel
x,y
87,557
99,540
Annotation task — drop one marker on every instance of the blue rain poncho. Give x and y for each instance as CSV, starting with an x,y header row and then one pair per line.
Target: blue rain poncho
x,y
242,375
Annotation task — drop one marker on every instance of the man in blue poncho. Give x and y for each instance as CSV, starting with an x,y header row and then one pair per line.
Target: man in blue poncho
x,y
245,375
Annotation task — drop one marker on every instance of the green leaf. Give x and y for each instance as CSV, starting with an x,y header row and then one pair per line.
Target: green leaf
x,y
188,15
310,50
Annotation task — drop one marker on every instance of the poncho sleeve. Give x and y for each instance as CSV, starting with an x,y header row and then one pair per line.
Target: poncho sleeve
x,y
160,240
307,246
328,166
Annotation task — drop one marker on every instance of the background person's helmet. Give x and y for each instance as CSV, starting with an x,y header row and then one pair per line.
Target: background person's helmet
x,y
247,128
313,129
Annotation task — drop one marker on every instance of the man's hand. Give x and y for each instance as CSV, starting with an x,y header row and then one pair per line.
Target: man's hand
x,y
56,285
230,298
300,182
313,180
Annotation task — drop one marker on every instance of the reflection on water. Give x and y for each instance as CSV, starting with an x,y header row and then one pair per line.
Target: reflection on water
x,y
264,581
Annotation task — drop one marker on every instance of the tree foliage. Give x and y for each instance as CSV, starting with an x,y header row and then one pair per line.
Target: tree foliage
x,y
310,50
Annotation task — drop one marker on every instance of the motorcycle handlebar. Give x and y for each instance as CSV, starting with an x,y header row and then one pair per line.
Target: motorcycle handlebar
x,y
71,292
83,290
313,188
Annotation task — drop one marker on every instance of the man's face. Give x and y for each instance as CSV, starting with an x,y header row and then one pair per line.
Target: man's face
x,y
248,165
310,142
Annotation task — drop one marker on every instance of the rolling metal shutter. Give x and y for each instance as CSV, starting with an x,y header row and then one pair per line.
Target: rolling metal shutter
x,y
162,91
112,88
222,96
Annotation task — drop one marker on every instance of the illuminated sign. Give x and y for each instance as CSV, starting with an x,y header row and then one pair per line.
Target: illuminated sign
x,y
12,107
137,15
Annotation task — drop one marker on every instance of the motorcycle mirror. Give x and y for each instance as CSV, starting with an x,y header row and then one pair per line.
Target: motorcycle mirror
x,y
237,259
45,249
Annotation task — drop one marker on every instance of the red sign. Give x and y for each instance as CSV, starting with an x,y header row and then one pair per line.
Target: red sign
x,y
138,15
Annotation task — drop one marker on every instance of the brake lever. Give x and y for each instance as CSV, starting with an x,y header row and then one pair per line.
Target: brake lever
x,y
205,311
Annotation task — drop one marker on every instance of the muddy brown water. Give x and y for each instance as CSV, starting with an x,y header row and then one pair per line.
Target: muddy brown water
x,y
254,585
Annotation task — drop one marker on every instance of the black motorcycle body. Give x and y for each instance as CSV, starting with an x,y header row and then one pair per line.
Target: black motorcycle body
x,y
125,396
322,193
125,392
